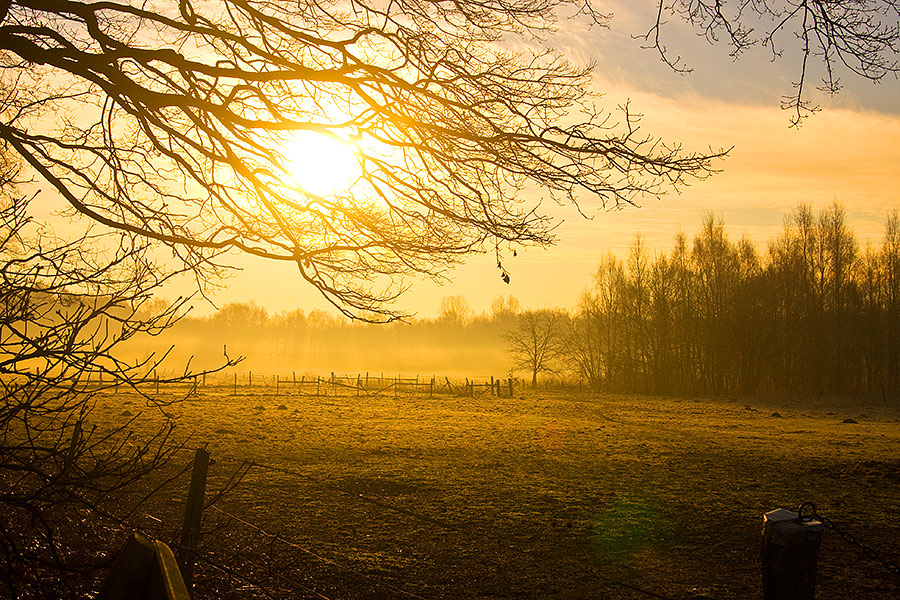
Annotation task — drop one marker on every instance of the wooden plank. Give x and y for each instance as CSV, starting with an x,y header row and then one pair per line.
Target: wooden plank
x,y
165,582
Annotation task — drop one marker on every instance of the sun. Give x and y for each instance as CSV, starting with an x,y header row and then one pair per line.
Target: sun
x,y
320,164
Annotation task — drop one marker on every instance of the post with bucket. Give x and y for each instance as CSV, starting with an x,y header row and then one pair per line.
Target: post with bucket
x,y
790,548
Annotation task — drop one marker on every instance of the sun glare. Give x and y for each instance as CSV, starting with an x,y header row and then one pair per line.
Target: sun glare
x,y
320,164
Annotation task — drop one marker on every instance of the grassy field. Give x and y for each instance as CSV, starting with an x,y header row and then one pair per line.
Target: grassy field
x,y
545,495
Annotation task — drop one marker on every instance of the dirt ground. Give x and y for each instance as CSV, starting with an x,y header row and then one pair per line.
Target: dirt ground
x,y
544,495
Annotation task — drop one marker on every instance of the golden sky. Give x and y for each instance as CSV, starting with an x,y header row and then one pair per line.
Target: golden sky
x,y
849,152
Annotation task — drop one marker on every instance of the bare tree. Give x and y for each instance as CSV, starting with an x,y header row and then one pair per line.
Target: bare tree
x,y
66,308
455,311
637,301
595,339
717,275
505,308
534,343
860,37
182,119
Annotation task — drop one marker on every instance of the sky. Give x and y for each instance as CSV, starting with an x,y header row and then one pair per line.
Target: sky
x,y
849,152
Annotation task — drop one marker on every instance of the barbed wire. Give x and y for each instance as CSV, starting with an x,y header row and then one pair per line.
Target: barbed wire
x,y
291,543
621,582
848,537
369,499
232,572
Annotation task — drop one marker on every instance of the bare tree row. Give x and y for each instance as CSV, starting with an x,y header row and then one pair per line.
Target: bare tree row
x,y
814,315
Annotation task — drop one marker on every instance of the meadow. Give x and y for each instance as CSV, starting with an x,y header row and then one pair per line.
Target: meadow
x,y
548,494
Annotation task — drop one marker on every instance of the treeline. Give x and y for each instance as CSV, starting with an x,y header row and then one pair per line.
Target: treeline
x,y
814,315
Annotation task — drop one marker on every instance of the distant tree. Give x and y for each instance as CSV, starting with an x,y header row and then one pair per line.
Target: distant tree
x,y
716,266
455,311
595,339
841,299
505,308
321,319
241,317
686,323
636,311
583,339
841,254
797,322
752,319
661,328
889,262
290,320
534,344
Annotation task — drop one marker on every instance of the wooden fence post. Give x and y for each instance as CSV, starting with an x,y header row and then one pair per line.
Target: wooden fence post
x,y
144,569
789,551
277,383
510,387
193,512
73,445
235,385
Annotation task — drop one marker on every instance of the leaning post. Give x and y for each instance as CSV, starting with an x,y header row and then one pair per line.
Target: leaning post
x,y
193,512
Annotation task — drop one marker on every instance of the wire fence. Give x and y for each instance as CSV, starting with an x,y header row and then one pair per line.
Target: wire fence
x,y
744,537
631,580
316,385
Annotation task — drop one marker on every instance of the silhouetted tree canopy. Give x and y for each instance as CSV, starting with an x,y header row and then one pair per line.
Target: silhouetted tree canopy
x,y
861,37
172,123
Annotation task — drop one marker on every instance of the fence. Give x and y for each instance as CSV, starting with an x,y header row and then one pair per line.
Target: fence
x,y
359,384
129,577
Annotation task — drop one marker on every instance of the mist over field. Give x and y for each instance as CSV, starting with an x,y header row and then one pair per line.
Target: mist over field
x,y
811,314
319,344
